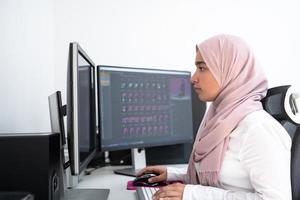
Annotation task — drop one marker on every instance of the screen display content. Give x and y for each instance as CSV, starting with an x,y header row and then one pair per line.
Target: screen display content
x,y
144,107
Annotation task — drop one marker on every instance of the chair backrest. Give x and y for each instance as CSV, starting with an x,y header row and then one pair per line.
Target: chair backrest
x,y
280,104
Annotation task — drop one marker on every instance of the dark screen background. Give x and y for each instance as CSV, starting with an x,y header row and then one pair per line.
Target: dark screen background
x,y
85,126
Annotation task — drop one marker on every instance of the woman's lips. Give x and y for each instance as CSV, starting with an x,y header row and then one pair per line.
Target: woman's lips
x,y
197,89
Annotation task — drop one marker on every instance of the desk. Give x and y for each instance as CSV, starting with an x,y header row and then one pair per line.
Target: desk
x,y
105,178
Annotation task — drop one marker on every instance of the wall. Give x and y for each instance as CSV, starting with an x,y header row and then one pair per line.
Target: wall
x,y
163,34
26,64
35,34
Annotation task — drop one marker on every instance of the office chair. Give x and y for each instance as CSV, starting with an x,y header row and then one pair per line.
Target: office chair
x,y
281,103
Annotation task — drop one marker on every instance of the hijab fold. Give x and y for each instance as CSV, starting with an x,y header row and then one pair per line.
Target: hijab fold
x,y
243,84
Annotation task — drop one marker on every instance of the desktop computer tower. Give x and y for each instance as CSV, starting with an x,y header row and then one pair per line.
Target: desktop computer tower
x,y
30,162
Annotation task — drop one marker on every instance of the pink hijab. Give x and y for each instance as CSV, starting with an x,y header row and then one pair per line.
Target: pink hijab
x,y
243,84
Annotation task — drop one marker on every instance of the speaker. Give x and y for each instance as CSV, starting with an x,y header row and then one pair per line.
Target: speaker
x,y
30,162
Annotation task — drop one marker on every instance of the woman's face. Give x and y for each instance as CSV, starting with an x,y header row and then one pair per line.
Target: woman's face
x,y
205,85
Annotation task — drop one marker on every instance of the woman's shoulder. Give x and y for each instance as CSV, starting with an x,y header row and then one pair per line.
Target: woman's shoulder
x,y
259,119
259,125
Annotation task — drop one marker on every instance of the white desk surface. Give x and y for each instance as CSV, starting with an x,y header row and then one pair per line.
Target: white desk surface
x,y
105,178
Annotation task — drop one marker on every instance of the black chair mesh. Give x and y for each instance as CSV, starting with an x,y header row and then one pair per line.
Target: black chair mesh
x,y
273,103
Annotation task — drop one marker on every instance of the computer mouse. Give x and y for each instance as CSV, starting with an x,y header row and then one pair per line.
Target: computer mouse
x,y
143,180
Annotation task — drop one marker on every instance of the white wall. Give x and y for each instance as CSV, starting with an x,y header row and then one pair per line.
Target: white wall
x,y
26,64
137,33
163,34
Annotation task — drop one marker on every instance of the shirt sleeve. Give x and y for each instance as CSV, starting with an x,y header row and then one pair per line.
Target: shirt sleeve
x,y
177,174
195,192
199,192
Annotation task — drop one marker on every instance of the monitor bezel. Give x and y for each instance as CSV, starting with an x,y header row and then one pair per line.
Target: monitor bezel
x,y
135,69
72,110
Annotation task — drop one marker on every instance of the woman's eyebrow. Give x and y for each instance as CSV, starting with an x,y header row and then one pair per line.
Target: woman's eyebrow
x,y
199,62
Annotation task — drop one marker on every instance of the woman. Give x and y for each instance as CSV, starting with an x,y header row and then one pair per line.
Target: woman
x,y
240,151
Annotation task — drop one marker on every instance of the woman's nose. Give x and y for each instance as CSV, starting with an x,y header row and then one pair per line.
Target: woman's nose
x,y
193,79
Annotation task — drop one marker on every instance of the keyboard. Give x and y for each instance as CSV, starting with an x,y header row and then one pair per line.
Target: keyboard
x,y
145,193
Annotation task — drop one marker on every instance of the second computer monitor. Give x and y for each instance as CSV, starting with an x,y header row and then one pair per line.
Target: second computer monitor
x,y
143,107
81,106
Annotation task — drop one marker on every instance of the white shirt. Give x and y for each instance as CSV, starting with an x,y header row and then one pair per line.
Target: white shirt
x,y
256,165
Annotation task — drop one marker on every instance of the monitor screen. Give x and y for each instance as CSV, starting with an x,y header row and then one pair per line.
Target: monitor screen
x,y
143,107
81,119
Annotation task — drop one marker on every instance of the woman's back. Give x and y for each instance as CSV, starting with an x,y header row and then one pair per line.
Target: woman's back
x,y
259,155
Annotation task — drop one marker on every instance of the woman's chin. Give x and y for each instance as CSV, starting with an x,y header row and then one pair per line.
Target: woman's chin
x,y
201,97
204,98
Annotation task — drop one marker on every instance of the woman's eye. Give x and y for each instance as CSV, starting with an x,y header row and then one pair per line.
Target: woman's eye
x,y
201,68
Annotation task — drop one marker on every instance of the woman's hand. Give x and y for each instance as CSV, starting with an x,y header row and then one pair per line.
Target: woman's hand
x,y
160,170
170,192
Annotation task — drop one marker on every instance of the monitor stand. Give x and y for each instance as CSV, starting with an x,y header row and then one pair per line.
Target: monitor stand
x,y
138,158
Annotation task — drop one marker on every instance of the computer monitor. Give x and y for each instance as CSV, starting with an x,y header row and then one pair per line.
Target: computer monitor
x,y
141,107
81,118
56,111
